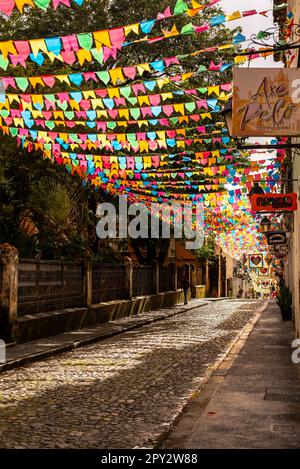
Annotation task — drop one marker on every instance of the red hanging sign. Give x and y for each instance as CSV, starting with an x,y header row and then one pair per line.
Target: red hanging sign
x,y
274,202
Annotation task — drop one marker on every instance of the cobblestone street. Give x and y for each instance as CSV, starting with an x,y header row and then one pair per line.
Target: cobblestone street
x,y
123,392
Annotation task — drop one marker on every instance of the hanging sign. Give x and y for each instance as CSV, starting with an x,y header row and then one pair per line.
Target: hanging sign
x,y
276,237
266,102
274,202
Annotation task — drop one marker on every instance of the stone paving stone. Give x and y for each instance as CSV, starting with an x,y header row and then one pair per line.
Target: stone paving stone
x,y
256,404
123,392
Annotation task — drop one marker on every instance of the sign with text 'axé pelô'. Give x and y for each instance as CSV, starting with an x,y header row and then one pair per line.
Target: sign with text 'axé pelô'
x,y
266,102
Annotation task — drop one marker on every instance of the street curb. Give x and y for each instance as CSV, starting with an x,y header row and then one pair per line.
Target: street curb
x,y
16,363
247,329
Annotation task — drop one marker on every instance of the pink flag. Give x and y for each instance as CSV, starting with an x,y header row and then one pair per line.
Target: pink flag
x,y
85,104
168,109
56,3
101,93
63,97
117,37
166,14
101,126
129,72
68,57
213,66
164,122
201,29
18,60
113,113
226,87
70,43
49,104
7,6
120,101
137,86
49,80
171,60
249,13
202,104
153,145
15,113
8,120
90,76
154,99
146,111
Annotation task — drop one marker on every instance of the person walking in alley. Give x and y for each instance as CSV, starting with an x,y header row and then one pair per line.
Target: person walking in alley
x,y
240,293
185,283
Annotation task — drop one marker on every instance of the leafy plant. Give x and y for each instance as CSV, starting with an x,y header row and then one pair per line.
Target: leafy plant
x,y
284,301
207,252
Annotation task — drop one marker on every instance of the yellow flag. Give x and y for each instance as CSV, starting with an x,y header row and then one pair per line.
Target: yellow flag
x,y
36,114
113,92
116,75
206,115
161,134
20,4
89,94
147,162
162,82
102,114
38,45
172,32
186,76
135,28
101,38
121,137
213,89
13,98
74,105
34,81
143,100
144,146
142,68
97,103
18,122
179,108
62,79
166,96
58,115
122,123
234,16
196,4
6,48
84,55
182,119
124,113
239,59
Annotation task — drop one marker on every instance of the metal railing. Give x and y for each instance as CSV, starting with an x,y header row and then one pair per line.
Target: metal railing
x,y
142,280
108,283
45,286
166,279
49,285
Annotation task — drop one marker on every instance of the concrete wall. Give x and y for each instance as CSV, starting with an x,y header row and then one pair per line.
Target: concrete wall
x,y
37,326
198,291
293,265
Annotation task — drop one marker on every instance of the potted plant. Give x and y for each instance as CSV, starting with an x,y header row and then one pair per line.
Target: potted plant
x,y
284,301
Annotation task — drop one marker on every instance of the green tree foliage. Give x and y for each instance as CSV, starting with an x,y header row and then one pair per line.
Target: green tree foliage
x,y
207,252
